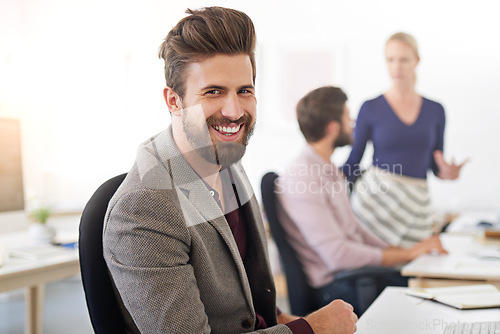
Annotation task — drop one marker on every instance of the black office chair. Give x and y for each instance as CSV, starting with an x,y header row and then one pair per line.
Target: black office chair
x,y
102,303
366,283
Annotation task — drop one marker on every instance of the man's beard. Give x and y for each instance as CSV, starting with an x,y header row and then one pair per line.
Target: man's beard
x,y
219,153
343,139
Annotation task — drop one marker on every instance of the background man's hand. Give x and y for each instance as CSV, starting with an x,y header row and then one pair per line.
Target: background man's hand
x,y
425,246
447,171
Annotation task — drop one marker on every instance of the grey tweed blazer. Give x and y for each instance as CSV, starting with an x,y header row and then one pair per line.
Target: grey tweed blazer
x,y
172,256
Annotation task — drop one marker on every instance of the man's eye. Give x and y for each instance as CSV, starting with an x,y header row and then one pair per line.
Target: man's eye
x,y
213,92
245,91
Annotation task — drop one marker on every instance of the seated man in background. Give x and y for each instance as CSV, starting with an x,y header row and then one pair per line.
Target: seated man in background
x,y
314,201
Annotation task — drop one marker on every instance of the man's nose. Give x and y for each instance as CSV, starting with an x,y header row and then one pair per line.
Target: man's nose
x,y
232,107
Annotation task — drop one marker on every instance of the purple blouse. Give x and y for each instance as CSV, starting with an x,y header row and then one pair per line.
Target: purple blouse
x,y
398,147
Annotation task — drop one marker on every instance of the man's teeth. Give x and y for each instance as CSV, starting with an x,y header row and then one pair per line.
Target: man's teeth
x,y
227,130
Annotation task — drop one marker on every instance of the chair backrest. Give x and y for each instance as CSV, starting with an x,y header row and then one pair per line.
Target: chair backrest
x,y
300,294
104,310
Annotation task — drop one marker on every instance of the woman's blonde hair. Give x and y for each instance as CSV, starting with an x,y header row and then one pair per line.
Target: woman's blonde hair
x,y
407,39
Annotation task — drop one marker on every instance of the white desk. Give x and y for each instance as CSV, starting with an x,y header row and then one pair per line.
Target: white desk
x,y
393,312
466,263
33,275
467,223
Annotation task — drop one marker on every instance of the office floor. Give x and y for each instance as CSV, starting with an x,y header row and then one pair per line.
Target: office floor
x,y
65,309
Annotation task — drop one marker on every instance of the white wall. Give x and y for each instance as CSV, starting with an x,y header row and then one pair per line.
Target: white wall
x,y
84,78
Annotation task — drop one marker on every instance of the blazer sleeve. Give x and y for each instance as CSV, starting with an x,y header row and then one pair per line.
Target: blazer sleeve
x,y
146,248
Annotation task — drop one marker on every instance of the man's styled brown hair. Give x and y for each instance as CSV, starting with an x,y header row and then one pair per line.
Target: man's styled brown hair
x,y
318,108
202,34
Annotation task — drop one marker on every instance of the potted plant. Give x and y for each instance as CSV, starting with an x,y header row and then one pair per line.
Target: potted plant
x,y
39,230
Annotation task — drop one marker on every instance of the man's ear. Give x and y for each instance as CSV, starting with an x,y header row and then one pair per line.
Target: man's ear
x,y
333,129
174,102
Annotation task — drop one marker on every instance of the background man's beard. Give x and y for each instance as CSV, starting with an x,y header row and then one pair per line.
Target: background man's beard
x,y
221,153
342,140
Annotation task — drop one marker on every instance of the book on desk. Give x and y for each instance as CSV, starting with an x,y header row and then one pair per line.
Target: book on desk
x,y
461,297
37,252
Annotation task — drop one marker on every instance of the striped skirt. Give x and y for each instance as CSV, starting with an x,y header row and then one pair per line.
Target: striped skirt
x,y
395,207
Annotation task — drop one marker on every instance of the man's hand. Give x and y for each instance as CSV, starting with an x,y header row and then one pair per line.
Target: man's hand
x,y
430,245
335,318
447,171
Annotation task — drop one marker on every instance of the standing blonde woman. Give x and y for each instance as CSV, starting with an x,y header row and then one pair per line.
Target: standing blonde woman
x,y
391,198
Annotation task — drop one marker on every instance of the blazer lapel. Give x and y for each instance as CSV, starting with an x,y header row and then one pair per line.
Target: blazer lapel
x,y
198,210
197,204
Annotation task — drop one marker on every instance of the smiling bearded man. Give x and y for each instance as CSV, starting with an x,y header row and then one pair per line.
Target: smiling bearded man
x,y
183,236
